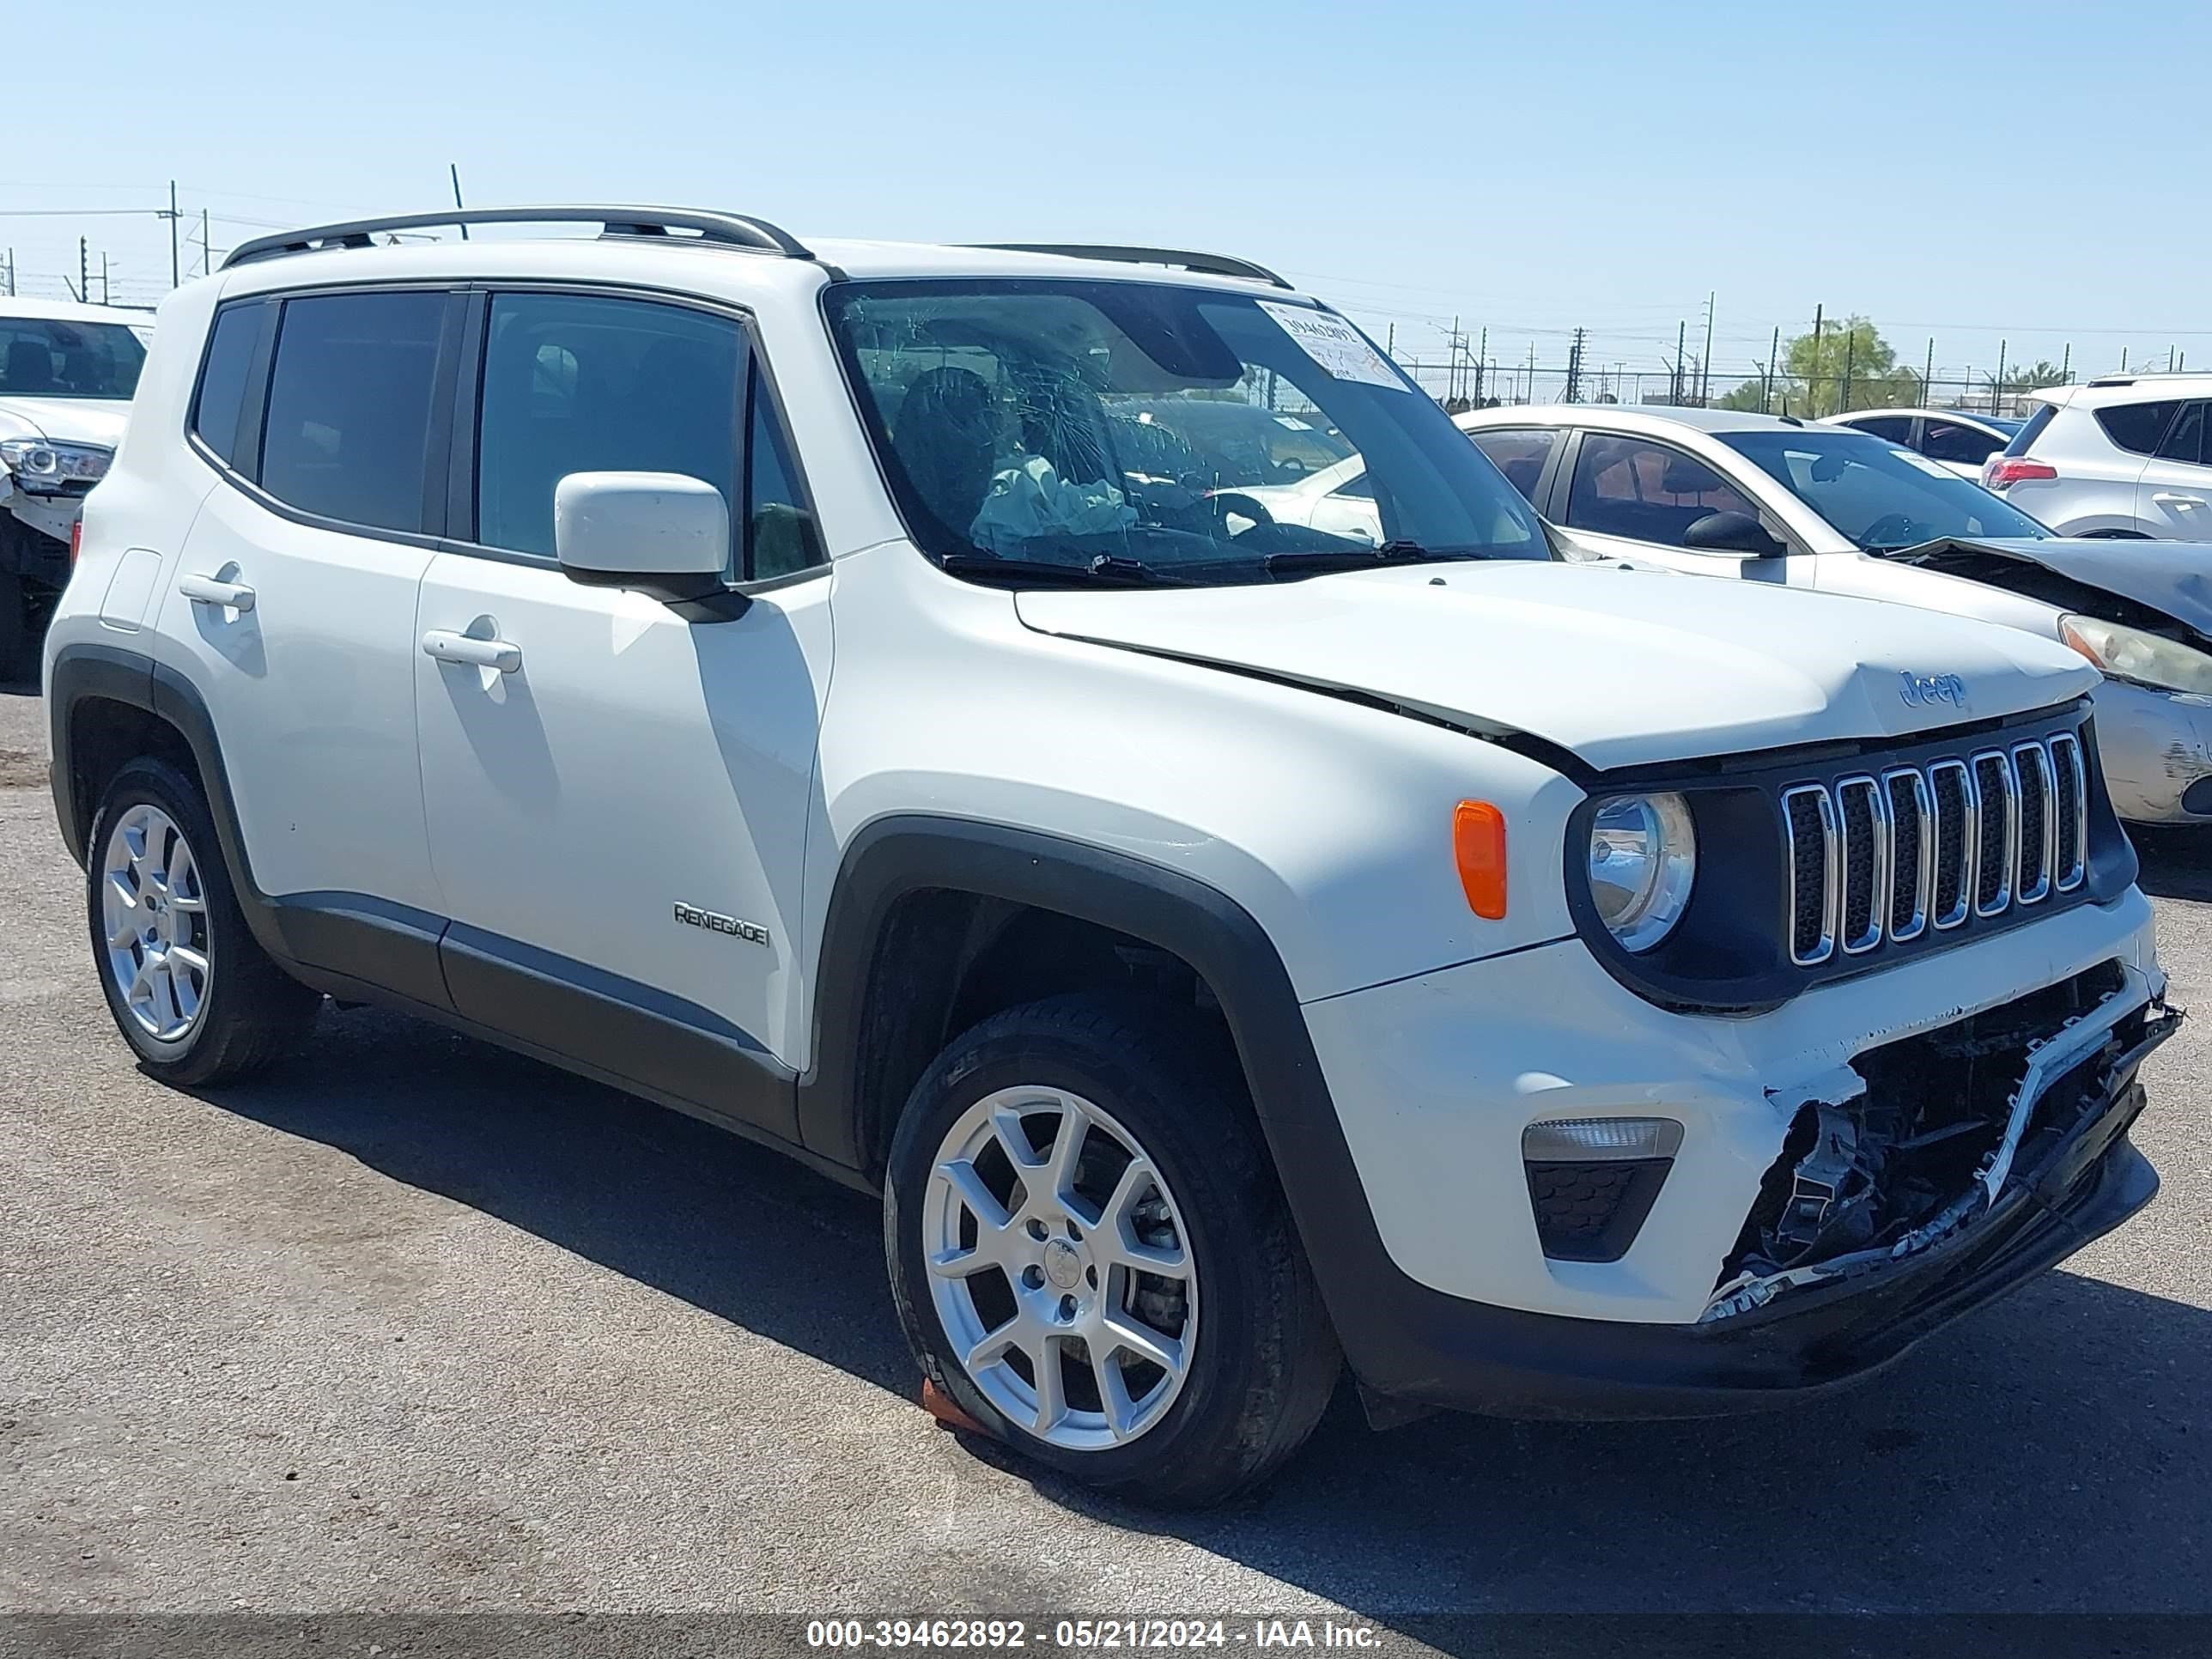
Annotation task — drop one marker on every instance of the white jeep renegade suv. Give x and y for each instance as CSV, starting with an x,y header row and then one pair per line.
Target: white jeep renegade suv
x,y
817,689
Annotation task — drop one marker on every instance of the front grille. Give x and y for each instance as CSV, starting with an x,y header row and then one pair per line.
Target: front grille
x,y
1885,860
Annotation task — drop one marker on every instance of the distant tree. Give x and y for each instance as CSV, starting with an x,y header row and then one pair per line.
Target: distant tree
x,y
1851,365
1752,394
2042,372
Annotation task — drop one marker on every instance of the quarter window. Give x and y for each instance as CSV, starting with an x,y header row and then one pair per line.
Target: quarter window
x,y
1644,491
1519,453
2137,427
222,379
350,406
779,533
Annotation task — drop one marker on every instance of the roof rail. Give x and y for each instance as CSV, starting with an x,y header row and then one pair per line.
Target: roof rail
x,y
1213,264
726,229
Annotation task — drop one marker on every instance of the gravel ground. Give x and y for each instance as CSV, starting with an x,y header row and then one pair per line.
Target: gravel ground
x,y
416,1324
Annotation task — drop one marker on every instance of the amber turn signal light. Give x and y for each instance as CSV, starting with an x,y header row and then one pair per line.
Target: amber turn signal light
x,y
1479,842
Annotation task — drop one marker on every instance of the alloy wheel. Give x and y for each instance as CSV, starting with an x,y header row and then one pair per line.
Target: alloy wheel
x,y
153,911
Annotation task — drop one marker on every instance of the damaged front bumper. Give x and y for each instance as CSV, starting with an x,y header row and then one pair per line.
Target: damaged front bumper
x,y
1883,1181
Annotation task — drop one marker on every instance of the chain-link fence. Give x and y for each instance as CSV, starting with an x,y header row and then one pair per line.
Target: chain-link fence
x,y
1466,384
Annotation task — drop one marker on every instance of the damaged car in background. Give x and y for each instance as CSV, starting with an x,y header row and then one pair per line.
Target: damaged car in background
x,y
1768,499
67,372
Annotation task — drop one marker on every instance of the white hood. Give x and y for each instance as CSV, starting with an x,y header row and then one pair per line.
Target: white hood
x,y
65,420
1621,667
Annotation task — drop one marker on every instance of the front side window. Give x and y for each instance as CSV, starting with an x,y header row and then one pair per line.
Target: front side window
x,y
1520,452
347,435
1952,440
1880,497
1646,491
1174,430
50,357
585,383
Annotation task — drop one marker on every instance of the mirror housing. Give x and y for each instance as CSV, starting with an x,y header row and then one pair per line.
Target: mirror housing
x,y
664,534
1732,533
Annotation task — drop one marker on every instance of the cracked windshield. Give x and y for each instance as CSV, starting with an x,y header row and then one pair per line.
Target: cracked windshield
x,y
1134,431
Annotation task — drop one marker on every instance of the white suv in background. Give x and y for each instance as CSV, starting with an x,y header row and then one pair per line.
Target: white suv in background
x,y
797,684
2126,455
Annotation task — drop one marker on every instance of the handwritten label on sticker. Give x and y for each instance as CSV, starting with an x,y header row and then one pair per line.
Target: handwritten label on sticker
x,y
1338,347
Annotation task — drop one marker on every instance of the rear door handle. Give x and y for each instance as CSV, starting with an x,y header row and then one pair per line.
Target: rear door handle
x,y
206,590
448,646
2171,498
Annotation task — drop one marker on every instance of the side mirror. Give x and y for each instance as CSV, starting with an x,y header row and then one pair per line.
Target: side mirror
x,y
661,533
1732,533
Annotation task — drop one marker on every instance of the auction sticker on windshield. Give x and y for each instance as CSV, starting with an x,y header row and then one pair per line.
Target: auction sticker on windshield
x,y
1334,344
1911,458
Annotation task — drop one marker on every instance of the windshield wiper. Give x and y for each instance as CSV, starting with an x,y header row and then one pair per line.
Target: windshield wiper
x,y
1107,570
1359,558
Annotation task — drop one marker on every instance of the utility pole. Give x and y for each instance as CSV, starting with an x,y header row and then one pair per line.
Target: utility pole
x,y
2066,365
176,274
1773,356
104,297
1997,390
1928,374
1705,367
1850,349
454,169
1812,389
1481,355
207,246
1575,369
83,269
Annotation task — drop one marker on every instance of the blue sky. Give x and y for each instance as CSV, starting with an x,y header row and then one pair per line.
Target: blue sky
x,y
2025,172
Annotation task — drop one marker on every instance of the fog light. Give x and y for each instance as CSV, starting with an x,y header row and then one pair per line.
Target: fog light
x,y
1600,1139
1592,1182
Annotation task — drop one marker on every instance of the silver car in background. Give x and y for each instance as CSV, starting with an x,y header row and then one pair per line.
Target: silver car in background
x,y
1759,498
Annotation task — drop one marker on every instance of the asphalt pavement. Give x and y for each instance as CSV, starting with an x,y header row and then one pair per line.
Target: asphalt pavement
x,y
415,1324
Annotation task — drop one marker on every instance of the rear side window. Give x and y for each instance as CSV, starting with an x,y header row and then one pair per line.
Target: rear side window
x,y
1949,441
2186,440
1898,429
2137,427
231,345
350,407
1518,451
2045,414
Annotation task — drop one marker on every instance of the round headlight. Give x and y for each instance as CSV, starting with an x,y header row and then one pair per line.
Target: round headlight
x,y
1642,860
40,462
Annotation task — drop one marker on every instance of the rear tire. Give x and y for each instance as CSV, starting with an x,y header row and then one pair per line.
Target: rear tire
x,y
1132,1307
191,990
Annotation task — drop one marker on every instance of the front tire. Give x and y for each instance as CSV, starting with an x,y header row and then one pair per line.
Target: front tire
x,y
1092,1256
192,992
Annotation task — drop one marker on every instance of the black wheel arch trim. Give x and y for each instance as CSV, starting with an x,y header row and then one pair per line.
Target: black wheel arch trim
x,y
896,857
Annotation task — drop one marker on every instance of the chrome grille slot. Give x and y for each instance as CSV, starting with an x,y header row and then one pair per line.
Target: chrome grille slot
x,y
1862,812
2070,809
1958,829
2039,824
1913,852
1815,865
1884,858
1996,850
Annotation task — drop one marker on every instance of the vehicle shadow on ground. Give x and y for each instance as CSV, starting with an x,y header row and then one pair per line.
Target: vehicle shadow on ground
x,y
2176,863
2053,1452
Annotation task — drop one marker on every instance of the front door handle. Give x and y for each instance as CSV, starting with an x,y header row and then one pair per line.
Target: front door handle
x,y
448,646
206,590
2173,498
